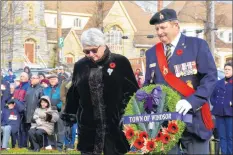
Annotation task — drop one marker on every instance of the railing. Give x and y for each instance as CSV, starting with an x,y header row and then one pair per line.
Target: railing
x,y
26,59
42,61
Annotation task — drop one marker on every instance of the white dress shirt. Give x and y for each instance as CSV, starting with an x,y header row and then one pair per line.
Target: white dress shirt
x,y
173,43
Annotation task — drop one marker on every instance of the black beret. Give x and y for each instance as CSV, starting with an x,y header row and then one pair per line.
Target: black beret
x,y
163,16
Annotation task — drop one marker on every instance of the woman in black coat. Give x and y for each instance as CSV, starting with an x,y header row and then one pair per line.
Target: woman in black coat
x,y
101,88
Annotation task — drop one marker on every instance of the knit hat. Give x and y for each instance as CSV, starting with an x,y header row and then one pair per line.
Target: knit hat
x,y
45,81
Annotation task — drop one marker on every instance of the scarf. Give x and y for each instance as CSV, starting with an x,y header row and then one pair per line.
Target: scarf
x,y
96,85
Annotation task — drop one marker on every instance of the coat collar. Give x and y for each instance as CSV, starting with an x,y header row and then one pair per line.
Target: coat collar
x,y
221,84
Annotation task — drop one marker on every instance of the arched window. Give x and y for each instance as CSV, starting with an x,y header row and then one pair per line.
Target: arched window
x,y
30,15
114,39
69,59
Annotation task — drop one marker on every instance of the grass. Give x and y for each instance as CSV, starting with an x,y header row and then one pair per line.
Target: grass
x,y
25,151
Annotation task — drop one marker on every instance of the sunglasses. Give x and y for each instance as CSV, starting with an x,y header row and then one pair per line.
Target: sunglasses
x,y
93,50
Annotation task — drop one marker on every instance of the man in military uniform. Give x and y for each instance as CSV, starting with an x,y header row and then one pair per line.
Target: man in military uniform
x,y
186,65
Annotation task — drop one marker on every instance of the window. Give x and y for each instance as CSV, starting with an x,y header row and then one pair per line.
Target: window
x,y
114,39
77,22
31,15
230,37
69,60
221,35
142,53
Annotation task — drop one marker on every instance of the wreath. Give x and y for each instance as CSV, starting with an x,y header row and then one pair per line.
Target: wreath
x,y
153,137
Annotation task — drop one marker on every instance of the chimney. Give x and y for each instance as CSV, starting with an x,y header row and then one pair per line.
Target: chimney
x,y
159,5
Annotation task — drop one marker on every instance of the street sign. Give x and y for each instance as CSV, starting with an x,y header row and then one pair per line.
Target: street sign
x,y
61,42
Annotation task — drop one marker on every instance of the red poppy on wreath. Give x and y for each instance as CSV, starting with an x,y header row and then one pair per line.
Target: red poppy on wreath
x,y
143,134
138,143
129,133
172,127
112,65
159,136
166,138
179,52
150,145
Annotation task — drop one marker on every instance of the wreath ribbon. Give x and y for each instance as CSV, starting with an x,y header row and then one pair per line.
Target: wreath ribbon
x,y
166,116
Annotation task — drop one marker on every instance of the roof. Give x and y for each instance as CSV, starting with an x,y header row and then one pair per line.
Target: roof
x,y
52,33
195,12
140,19
70,6
221,44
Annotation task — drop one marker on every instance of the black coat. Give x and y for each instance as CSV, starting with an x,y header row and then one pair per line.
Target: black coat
x,y
32,98
117,89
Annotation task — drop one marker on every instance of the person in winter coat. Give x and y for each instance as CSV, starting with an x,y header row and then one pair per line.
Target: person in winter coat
x,y
102,84
221,99
19,95
10,121
44,119
33,95
5,92
10,78
70,133
28,70
44,83
53,91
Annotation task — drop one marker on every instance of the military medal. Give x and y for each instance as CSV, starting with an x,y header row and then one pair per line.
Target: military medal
x,y
184,69
152,77
177,70
161,17
189,83
190,70
165,70
194,67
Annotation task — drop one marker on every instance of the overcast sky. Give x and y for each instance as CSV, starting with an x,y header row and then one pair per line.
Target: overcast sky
x,y
152,5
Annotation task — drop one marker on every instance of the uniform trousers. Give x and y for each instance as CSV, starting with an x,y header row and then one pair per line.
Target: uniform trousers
x,y
109,148
191,144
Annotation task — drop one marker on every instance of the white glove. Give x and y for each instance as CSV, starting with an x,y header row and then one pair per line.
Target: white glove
x,y
183,106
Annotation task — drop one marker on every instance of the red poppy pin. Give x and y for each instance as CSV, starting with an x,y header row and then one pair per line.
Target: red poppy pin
x,y
179,52
112,65
230,81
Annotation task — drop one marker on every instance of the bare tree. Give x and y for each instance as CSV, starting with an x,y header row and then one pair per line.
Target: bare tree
x,y
98,11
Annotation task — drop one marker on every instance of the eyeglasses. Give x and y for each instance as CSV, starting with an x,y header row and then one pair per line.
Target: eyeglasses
x,y
93,50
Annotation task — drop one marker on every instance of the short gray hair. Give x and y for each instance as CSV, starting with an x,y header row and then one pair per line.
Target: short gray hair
x,y
92,37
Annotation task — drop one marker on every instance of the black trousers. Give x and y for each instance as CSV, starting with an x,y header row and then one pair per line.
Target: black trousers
x,y
36,137
109,148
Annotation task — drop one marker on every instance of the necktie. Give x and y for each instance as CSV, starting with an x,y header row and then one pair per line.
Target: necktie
x,y
168,52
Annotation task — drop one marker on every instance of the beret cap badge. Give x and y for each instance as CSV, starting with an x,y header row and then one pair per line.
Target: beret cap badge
x,y
161,17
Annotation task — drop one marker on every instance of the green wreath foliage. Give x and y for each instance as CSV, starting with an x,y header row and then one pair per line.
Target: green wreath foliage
x,y
172,97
